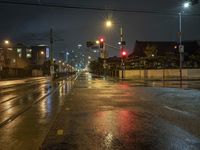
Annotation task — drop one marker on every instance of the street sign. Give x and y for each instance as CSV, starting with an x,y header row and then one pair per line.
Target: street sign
x,y
181,48
51,70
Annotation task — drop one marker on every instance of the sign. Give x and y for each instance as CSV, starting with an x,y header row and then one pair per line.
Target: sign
x,y
47,52
52,70
181,48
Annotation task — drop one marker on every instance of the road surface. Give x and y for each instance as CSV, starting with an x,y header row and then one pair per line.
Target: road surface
x,y
105,114
28,107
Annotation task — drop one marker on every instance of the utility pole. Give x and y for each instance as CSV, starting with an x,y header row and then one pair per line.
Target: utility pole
x,y
51,43
181,47
121,50
51,57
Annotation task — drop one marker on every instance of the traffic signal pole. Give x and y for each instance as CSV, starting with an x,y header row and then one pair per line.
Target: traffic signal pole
x,y
121,50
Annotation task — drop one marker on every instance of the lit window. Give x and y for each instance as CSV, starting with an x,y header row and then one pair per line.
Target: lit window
x,y
20,55
28,50
10,49
19,50
28,55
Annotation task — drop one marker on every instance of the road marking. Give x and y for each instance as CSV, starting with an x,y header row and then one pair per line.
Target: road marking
x,y
67,109
60,132
179,111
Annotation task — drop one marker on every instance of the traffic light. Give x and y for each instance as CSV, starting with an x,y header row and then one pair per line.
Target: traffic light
x,y
101,42
124,53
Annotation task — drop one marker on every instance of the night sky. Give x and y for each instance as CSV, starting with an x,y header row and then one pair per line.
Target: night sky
x,y
31,24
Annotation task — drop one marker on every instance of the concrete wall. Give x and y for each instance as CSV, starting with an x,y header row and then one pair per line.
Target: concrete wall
x,y
161,74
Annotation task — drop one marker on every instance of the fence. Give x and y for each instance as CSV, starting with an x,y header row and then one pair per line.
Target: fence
x,y
161,74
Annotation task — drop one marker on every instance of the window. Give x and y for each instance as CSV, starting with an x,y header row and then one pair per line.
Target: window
x,y
19,50
28,56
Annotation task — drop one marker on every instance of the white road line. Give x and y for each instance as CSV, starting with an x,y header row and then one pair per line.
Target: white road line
x,y
179,111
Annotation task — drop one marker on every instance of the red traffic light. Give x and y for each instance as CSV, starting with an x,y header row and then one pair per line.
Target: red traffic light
x,y
124,53
101,40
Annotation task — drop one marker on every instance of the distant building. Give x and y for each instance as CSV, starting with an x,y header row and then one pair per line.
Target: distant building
x,y
13,60
164,54
62,56
163,47
38,54
19,59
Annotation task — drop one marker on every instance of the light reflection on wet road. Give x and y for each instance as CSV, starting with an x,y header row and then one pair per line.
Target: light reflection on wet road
x,y
109,115
100,114
34,117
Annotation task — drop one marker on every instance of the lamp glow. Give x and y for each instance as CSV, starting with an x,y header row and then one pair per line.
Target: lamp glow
x,y
6,42
186,4
108,23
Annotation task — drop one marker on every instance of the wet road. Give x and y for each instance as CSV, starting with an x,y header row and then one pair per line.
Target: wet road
x,y
101,114
28,107
187,84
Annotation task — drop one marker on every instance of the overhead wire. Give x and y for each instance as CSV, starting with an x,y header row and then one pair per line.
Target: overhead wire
x,y
55,5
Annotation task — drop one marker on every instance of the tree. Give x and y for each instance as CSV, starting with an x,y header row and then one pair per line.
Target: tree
x,y
96,66
151,51
151,56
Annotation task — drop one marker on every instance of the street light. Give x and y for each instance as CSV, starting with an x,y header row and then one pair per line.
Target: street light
x,y
181,47
6,42
186,4
108,23
42,52
97,41
121,43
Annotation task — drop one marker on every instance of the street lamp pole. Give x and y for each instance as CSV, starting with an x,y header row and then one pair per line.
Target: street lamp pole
x,y
180,46
122,43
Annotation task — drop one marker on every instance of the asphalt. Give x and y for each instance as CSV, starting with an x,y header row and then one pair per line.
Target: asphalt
x,y
28,107
102,114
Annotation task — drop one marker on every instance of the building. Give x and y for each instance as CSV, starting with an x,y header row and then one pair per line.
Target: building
x,y
19,60
13,60
158,54
163,47
38,54
62,56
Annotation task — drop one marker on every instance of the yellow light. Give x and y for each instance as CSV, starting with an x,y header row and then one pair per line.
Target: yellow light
x,y
97,41
59,61
42,52
6,42
108,23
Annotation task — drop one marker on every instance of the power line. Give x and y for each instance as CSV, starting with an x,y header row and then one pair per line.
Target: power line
x,y
95,8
